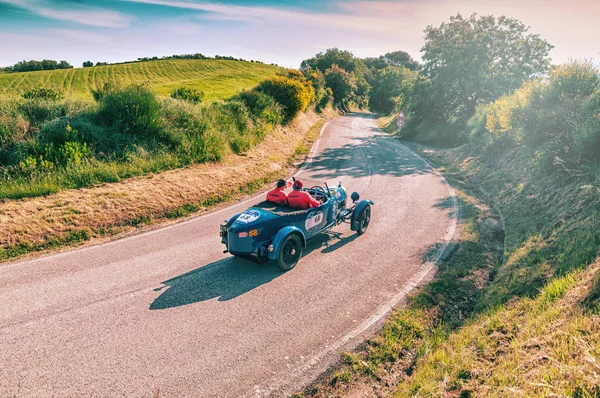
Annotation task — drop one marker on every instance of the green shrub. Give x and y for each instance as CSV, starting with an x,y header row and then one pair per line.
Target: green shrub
x,y
133,111
100,93
556,119
203,143
39,111
57,132
557,108
33,164
13,126
291,94
586,141
262,106
73,152
43,93
179,114
324,99
188,94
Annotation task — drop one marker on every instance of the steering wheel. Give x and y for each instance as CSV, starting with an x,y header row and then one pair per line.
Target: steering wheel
x,y
318,193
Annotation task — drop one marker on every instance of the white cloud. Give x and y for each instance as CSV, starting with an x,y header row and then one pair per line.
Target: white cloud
x,y
83,15
278,16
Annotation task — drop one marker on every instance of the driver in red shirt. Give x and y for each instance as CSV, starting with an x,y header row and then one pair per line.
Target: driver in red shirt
x,y
301,199
276,195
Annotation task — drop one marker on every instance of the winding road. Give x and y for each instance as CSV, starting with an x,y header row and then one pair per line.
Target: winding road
x,y
166,312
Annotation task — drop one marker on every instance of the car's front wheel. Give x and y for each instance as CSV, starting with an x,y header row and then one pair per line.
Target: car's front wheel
x,y
290,252
364,218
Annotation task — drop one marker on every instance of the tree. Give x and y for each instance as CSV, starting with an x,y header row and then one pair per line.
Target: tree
x,y
342,83
401,58
88,64
473,61
392,89
363,88
342,58
64,65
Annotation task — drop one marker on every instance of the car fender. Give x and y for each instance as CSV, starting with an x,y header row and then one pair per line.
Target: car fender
x,y
280,237
232,219
228,224
357,210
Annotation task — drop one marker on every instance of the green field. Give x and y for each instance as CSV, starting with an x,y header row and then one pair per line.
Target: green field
x,y
217,78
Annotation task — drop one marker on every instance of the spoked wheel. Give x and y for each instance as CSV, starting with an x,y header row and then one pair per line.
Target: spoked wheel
x,y
364,219
290,253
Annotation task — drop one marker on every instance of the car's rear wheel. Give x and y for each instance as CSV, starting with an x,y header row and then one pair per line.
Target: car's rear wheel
x,y
290,252
364,219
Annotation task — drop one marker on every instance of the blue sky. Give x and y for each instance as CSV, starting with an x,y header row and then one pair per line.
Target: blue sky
x,y
282,32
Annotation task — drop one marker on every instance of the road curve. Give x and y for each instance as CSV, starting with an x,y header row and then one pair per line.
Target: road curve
x,y
168,311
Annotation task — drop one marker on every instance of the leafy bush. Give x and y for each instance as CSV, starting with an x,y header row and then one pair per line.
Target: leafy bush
x,y
556,114
133,111
587,140
291,94
203,143
342,84
73,152
47,146
100,93
39,111
33,164
43,93
188,94
324,98
13,126
262,106
556,119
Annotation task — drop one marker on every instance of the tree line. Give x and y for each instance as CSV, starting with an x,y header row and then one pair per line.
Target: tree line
x,y
483,80
88,64
47,64
28,66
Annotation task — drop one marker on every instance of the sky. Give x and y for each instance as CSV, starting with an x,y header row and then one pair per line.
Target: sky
x,y
280,32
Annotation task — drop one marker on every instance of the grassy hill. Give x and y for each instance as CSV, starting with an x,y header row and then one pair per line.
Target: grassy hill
x,y
217,78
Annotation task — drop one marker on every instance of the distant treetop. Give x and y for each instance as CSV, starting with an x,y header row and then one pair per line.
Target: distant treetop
x,y
46,64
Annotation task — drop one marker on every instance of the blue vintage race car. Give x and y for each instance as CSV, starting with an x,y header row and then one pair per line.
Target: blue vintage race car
x,y
267,231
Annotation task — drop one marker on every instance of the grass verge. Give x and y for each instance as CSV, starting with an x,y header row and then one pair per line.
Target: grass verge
x,y
521,320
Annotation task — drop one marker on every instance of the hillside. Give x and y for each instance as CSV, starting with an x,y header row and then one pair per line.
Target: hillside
x,y
217,78
514,310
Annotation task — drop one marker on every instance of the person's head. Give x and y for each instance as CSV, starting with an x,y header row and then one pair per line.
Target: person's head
x,y
280,183
298,185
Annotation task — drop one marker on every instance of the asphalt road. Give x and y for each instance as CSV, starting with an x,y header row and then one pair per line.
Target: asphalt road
x,y
168,311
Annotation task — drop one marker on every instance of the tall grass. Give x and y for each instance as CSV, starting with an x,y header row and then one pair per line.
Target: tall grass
x,y
50,145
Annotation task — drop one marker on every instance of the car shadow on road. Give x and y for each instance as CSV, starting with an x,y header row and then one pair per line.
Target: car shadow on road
x,y
231,277
225,279
328,242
